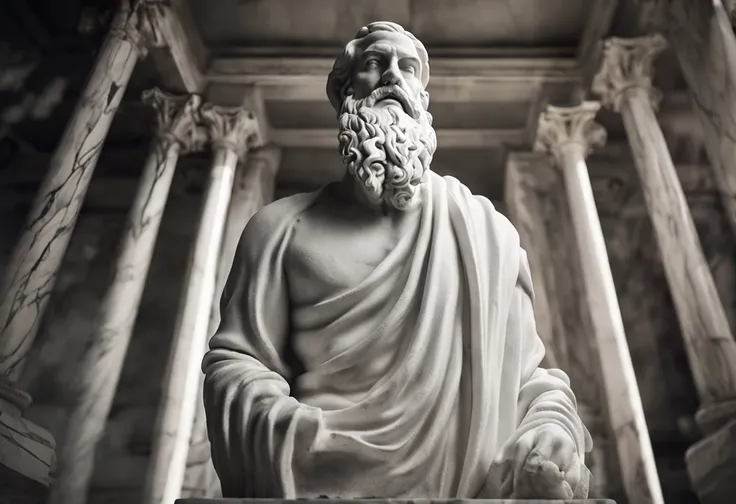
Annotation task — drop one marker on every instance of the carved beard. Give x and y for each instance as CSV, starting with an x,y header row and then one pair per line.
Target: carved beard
x,y
386,149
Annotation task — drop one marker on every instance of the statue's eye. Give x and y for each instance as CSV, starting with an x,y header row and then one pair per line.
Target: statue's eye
x,y
371,64
409,69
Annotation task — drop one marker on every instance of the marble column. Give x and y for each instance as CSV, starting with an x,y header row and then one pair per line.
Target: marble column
x,y
254,186
702,38
31,271
569,135
99,372
537,205
231,131
625,84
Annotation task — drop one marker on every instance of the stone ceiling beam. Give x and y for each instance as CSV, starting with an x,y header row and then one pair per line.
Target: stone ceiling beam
x,y
596,28
453,79
184,53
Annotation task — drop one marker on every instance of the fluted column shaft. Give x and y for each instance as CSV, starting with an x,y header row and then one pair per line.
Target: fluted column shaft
x,y
569,134
100,370
230,131
31,272
625,83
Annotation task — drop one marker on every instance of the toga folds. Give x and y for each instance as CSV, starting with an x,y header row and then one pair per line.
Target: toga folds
x,y
414,379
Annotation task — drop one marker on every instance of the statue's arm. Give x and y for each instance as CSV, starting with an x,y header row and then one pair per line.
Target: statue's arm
x,y
252,421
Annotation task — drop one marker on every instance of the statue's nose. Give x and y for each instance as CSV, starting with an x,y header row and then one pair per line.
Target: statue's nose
x,y
392,75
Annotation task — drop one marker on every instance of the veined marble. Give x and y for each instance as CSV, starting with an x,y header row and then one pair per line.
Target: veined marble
x,y
31,272
570,134
100,370
253,189
702,37
230,133
625,83
537,206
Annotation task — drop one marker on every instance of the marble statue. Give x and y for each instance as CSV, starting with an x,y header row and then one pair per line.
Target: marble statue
x,y
377,336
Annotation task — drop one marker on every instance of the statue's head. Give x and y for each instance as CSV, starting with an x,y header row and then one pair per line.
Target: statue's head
x,y
377,87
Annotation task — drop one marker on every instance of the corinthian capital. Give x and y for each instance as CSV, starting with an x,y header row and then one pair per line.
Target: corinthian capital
x,y
233,127
177,118
627,64
561,127
139,22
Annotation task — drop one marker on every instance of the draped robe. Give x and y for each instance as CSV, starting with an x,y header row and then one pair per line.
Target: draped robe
x,y
415,378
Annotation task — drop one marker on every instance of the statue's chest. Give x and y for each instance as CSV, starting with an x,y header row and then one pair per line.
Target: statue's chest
x,y
327,256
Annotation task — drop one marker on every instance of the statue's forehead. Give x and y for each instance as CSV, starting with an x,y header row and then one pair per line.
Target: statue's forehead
x,y
380,41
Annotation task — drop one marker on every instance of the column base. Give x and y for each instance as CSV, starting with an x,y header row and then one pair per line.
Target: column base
x,y
711,462
27,453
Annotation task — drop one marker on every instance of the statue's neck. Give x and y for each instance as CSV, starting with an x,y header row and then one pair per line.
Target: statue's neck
x,y
349,190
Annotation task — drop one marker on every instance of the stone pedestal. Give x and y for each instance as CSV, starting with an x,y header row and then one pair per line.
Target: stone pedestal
x,y
392,501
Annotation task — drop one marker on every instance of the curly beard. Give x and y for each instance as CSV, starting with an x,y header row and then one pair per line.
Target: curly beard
x,y
385,148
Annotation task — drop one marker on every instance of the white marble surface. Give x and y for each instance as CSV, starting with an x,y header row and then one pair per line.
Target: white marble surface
x,y
625,83
253,188
100,370
569,134
230,132
24,447
31,272
535,198
702,38
32,269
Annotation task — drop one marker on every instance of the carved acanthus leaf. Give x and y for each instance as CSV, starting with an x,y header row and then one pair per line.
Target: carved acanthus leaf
x,y
627,64
233,127
177,118
138,21
561,126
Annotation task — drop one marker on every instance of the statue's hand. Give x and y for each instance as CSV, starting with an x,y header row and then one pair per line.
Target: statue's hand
x,y
541,464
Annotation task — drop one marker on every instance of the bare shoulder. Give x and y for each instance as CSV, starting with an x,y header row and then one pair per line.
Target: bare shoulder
x,y
271,219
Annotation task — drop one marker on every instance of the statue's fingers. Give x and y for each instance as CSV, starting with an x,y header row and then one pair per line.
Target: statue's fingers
x,y
574,471
522,449
545,445
563,454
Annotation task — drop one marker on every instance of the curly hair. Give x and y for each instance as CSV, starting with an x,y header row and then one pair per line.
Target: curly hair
x,y
339,79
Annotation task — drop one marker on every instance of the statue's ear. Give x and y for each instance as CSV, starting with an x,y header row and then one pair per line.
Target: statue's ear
x,y
424,97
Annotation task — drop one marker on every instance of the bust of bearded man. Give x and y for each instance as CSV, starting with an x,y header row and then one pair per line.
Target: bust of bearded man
x,y
377,335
